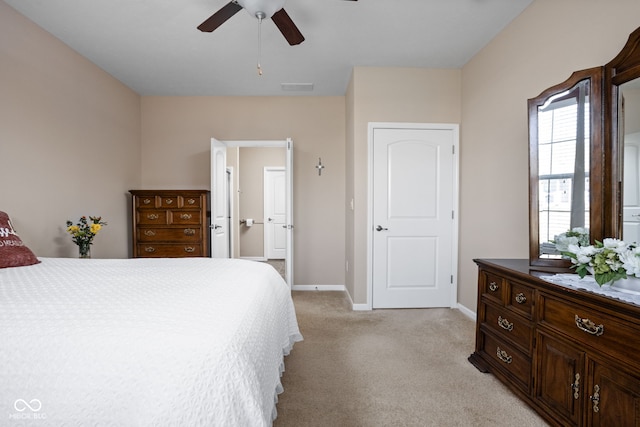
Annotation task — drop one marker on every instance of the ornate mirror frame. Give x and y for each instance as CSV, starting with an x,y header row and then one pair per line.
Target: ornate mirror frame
x,y
606,150
592,80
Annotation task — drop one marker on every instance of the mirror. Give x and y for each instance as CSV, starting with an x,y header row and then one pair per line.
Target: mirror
x,y
629,96
622,118
565,192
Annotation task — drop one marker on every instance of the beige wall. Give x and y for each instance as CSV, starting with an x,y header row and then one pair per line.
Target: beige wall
x,y
540,48
74,140
251,195
412,95
69,141
176,135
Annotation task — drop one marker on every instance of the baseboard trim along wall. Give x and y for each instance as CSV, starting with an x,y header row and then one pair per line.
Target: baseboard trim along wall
x,y
464,310
318,288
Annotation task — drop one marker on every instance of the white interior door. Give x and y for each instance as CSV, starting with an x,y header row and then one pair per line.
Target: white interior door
x,y
631,189
275,213
412,212
219,201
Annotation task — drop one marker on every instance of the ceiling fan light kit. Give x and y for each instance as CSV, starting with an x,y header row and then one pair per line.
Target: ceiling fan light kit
x,y
265,7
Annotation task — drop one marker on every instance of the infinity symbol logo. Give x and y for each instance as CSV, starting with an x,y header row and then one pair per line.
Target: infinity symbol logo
x,y
21,405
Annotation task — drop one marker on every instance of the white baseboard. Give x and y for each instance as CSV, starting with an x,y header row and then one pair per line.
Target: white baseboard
x,y
318,288
470,314
357,307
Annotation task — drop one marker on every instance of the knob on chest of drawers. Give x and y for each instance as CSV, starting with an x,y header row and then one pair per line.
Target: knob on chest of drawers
x,y
189,249
153,216
191,201
493,286
505,324
150,249
146,201
520,298
168,201
189,231
503,355
149,233
186,216
589,326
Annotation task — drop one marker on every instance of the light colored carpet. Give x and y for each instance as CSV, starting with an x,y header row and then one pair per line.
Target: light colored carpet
x,y
389,368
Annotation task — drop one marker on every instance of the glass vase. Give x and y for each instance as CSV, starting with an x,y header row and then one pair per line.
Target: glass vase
x,y
84,249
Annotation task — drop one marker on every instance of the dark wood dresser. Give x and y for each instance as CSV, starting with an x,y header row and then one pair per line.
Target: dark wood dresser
x,y
170,223
572,355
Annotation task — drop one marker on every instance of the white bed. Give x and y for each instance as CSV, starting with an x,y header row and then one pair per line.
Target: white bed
x,y
143,342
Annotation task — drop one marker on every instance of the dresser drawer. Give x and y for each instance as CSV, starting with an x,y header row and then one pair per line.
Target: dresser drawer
x,y
590,327
191,202
146,202
515,329
185,217
150,216
492,287
520,298
504,356
182,234
169,201
162,250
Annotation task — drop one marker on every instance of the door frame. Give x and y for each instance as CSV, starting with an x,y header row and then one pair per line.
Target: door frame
x,y
455,128
287,144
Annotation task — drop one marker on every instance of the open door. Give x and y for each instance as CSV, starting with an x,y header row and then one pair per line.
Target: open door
x,y
289,209
220,213
219,201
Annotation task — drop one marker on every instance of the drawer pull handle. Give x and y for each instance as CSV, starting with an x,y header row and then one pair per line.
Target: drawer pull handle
x,y
146,201
189,231
185,216
576,387
153,216
505,324
168,201
150,249
149,233
520,298
502,355
189,249
595,398
493,286
191,201
589,327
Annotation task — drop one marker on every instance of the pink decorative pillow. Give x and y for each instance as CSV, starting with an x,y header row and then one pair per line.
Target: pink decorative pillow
x,y
13,253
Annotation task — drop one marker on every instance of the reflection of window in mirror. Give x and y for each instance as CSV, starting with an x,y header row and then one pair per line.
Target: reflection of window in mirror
x,y
630,129
563,164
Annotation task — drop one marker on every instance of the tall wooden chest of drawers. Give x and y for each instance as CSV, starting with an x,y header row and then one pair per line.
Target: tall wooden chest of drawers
x,y
170,223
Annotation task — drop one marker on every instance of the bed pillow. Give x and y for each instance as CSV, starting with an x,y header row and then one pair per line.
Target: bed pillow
x,y
13,252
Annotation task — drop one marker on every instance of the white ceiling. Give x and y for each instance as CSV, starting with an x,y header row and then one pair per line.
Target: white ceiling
x,y
153,46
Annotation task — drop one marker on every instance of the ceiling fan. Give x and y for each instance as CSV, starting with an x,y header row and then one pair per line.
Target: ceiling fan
x,y
260,9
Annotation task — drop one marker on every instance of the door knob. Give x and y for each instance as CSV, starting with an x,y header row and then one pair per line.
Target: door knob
x,y
380,228
216,226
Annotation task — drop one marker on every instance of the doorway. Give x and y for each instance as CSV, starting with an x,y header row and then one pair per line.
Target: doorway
x,y
245,199
413,215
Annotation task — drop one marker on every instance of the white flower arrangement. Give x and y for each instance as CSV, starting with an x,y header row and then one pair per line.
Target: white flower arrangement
x,y
607,261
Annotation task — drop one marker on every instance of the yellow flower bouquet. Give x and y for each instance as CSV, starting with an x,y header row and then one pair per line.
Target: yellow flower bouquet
x,y
83,232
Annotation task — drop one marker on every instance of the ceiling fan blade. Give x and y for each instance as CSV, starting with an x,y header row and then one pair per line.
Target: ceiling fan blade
x,y
220,17
287,27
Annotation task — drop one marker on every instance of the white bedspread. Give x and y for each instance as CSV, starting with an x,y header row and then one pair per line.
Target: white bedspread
x,y
143,342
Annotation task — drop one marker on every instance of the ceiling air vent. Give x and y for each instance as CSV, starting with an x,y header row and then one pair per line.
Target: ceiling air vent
x,y
297,87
